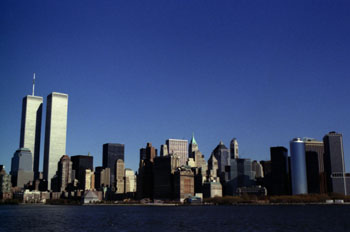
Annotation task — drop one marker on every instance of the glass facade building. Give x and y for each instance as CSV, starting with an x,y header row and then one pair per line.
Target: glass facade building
x,y
298,166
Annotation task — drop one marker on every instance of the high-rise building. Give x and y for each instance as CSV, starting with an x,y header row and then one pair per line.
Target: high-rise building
x,y
334,163
64,173
130,181
183,183
32,107
55,133
111,153
89,180
102,178
279,170
145,174
241,175
234,149
193,147
21,167
80,164
120,176
316,179
222,154
178,147
298,166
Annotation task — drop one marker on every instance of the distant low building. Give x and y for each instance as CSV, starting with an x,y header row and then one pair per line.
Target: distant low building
x,y
5,184
91,197
212,189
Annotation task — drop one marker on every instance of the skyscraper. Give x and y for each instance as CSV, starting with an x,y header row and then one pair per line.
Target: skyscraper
x,y
55,133
178,147
334,163
32,107
222,154
64,173
316,179
111,153
298,165
80,164
21,171
279,170
234,149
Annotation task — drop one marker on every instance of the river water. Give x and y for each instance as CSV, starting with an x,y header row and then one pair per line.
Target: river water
x,y
289,218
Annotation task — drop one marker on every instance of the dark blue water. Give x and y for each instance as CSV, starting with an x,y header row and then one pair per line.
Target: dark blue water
x,y
330,218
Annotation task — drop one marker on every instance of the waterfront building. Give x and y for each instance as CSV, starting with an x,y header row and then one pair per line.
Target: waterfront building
x,y
334,163
64,173
55,133
120,176
234,149
130,181
111,153
316,178
298,166
21,168
32,107
212,189
222,155
183,183
145,173
5,184
178,147
80,163
267,180
241,175
163,170
279,171
102,178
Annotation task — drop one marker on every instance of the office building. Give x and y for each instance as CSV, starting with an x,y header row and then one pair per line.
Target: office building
x,y
80,163
163,173
102,178
183,183
130,181
21,168
241,175
55,133
279,171
316,179
178,147
32,107
64,173
334,163
298,166
111,153
193,147
89,180
145,173
222,155
120,176
5,184
258,169
234,149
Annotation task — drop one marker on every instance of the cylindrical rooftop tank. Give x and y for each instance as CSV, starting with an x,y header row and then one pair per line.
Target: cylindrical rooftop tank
x,y
298,166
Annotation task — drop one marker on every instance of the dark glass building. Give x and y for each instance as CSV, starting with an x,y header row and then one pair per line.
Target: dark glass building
x,y
316,179
145,174
80,164
222,154
111,153
241,175
279,171
334,163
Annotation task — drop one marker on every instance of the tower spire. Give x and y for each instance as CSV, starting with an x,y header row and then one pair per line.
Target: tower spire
x,y
33,84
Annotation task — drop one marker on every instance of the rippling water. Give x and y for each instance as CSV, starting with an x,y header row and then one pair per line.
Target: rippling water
x,y
330,218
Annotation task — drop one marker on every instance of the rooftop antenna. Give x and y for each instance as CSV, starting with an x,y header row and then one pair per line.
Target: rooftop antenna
x,y
33,83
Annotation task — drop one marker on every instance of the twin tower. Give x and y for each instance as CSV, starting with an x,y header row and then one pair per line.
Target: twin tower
x,y
55,131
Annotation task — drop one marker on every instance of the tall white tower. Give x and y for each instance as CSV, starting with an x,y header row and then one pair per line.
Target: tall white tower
x,y
55,133
32,108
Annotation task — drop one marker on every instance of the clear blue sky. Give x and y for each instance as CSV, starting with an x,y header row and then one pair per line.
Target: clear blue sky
x,y
144,71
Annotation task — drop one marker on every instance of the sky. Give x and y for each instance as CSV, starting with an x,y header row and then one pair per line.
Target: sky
x,y
263,72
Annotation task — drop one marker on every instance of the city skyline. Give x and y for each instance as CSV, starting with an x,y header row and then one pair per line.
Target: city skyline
x,y
263,74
